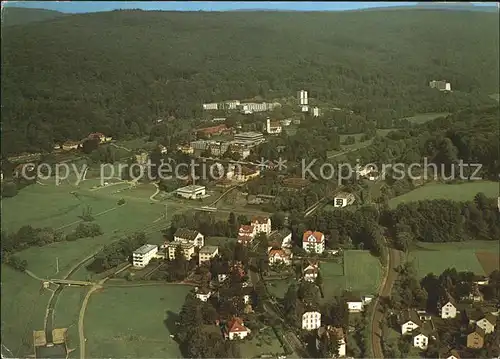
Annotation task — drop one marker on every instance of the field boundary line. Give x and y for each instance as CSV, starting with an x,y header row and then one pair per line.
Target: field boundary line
x,y
96,215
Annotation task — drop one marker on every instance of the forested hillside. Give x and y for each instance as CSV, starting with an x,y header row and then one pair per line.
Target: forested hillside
x,y
117,72
20,16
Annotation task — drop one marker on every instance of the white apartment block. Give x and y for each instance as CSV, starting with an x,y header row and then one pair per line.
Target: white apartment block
x,y
185,235
211,106
421,341
311,320
207,253
302,97
315,111
187,249
251,107
273,127
448,310
143,255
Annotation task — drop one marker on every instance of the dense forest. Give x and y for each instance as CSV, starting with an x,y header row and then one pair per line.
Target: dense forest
x,y
118,72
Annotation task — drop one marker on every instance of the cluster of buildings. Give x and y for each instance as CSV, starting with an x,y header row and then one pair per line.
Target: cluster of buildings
x,y
73,145
303,101
242,143
245,108
477,321
441,85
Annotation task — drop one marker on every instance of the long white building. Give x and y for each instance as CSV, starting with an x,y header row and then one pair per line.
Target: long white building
x,y
144,254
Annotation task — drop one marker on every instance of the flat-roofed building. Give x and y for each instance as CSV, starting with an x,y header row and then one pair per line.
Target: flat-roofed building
x,y
186,247
207,253
191,192
249,137
144,254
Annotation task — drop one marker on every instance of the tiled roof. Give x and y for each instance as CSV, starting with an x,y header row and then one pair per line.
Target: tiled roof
x,y
317,236
185,233
246,228
260,220
235,325
278,253
410,315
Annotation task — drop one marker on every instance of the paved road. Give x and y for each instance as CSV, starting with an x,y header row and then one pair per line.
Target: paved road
x,y
394,260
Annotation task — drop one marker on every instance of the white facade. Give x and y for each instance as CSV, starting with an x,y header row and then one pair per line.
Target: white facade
x,y
302,97
408,327
261,224
273,128
486,325
420,341
448,87
203,295
187,249
191,192
355,306
311,272
143,255
313,242
305,108
207,253
193,237
448,311
279,256
210,106
221,277
311,320
315,112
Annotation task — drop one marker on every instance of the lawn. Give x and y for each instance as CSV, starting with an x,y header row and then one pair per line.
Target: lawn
x,y
23,310
66,314
455,192
218,241
134,322
436,257
426,117
358,144
363,273
263,343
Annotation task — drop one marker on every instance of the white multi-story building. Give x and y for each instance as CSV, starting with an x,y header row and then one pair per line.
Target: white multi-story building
x,y
447,308
235,329
207,253
420,340
311,272
315,111
144,254
250,138
261,224
277,256
273,127
311,320
313,242
304,108
410,321
191,192
302,97
251,107
211,106
186,247
189,236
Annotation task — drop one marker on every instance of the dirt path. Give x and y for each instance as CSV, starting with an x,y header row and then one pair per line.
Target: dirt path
x,y
394,260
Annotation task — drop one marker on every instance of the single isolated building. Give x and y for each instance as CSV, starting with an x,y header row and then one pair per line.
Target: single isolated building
x,y
191,192
143,255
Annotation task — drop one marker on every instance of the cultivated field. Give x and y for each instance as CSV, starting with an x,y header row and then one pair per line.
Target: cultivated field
x,y
134,322
357,145
23,310
456,192
480,257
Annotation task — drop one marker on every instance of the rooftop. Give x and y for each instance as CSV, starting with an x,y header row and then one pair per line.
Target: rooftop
x,y
184,245
249,134
146,248
191,188
209,249
185,233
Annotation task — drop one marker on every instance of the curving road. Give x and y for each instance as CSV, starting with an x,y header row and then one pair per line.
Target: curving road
x,y
394,260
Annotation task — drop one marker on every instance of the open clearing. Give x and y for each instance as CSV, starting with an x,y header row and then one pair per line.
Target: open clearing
x,y
265,343
134,322
455,192
426,117
436,257
23,310
489,261
362,273
358,144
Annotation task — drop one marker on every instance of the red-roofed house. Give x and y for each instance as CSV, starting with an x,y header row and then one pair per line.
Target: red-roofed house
x,y
261,224
235,329
311,272
313,242
280,256
246,234
214,130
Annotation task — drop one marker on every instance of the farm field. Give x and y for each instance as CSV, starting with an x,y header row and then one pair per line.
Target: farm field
x,y
456,192
23,310
426,117
112,325
479,257
357,145
363,273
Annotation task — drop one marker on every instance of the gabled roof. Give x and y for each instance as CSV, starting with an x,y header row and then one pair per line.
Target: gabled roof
x,y
235,325
185,233
447,352
246,228
317,236
278,253
410,315
479,331
491,318
260,219
209,249
447,298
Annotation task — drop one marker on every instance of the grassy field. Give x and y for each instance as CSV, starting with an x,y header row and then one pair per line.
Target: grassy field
x,y
436,257
218,241
456,192
112,324
358,144
23,310
425,117
362,272
264,343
